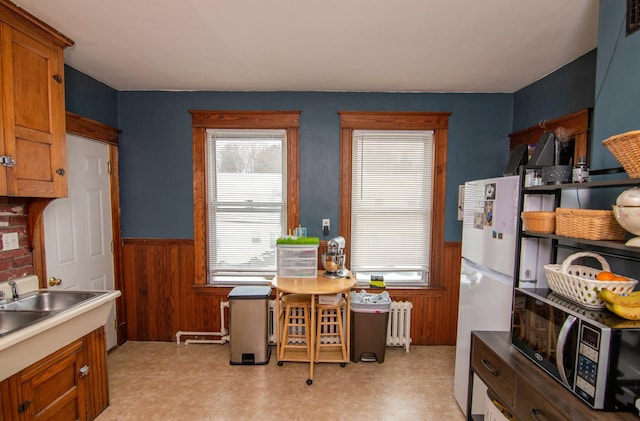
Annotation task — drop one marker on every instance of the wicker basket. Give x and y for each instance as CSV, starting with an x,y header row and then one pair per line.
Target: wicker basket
x,y
626,148
578,283
589,224
539,222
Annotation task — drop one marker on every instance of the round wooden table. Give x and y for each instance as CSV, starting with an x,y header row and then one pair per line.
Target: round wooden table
x,y
313,287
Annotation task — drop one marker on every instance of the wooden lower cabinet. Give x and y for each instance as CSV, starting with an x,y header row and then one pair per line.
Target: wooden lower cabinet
x,y
65,385
494,371
6,407
54,388
533,406
523,388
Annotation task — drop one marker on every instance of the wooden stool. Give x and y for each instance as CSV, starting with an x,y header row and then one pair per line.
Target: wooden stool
x,y
330,318
297,312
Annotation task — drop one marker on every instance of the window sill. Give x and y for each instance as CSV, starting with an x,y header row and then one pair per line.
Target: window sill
x,y
210,289
234,281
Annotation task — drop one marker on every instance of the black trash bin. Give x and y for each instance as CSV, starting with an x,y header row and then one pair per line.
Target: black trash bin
x,y
248,325
369,319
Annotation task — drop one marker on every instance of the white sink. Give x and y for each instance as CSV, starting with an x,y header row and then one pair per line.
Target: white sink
x,y
30,344
49,301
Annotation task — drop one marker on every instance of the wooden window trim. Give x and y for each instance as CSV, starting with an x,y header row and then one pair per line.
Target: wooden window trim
x,y
633,17
436,121
201,120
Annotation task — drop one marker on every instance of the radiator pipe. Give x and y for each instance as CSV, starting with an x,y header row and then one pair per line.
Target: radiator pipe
x,y
224,337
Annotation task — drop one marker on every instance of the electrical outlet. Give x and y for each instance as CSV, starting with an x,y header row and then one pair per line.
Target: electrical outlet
x,y
326,226
10,241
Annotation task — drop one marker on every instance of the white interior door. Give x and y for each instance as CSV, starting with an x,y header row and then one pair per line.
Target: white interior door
x,y
77,229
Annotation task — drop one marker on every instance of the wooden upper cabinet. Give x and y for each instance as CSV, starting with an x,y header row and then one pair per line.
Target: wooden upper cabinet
x,y
571,127
33,112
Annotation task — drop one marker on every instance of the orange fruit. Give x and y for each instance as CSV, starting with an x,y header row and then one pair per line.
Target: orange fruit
x,y
605,276
620,278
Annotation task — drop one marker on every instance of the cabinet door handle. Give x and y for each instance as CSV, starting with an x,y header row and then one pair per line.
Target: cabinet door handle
x,y
7,161
84,370
535,414
57,78
489,367
23,406
60,171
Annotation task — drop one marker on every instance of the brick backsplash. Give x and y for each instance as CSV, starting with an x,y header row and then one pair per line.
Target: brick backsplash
x,y
13,218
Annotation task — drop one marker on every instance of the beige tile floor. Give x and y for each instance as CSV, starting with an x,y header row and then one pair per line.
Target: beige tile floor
x,y
166,381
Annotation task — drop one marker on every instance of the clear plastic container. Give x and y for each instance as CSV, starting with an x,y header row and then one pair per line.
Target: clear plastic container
x,y
297,272
297,252
297,261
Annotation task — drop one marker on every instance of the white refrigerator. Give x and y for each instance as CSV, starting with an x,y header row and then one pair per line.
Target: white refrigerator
x,y
486,279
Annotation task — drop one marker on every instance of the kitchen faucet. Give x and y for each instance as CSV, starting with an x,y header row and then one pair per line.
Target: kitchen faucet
x,y
14,290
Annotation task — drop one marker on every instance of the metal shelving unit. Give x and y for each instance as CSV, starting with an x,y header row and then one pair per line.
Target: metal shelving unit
x,y
616,249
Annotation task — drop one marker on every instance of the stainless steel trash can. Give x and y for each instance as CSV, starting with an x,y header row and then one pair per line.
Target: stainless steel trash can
x,y
248,325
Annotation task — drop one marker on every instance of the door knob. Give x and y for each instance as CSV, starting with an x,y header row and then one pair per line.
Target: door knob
x,y
54,281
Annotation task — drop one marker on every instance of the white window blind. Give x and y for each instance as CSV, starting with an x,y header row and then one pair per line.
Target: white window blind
x,y
247,202
391,205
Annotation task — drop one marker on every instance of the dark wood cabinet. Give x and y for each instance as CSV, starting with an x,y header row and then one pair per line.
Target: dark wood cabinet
x,y
572,127
492,369
522,387
69,384
534,406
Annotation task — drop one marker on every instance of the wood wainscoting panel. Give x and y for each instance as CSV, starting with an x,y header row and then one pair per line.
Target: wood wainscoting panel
x,y
447,315
98,384
434,317
161,297
154,271
201,309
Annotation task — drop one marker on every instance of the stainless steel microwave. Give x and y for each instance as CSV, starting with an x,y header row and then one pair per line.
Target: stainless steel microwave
x,y
593,353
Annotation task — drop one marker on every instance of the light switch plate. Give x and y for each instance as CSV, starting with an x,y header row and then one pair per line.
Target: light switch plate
x,y
10,241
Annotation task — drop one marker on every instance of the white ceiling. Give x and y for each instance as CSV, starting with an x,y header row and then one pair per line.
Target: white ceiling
x,y
321,45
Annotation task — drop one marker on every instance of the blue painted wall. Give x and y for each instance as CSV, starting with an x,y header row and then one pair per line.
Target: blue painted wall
x,y
89,98
617,100
565,91
155,149
155,143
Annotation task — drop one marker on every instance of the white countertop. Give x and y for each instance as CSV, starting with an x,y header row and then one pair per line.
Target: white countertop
x,y
26,346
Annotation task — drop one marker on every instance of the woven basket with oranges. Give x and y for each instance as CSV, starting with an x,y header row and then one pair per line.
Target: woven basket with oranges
x,y
581,284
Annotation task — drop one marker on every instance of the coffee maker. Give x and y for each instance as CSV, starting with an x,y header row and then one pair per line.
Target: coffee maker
x,y
333,259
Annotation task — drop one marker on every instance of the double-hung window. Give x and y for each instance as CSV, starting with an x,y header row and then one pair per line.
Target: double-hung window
x,y
391,194
247,201
245,192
